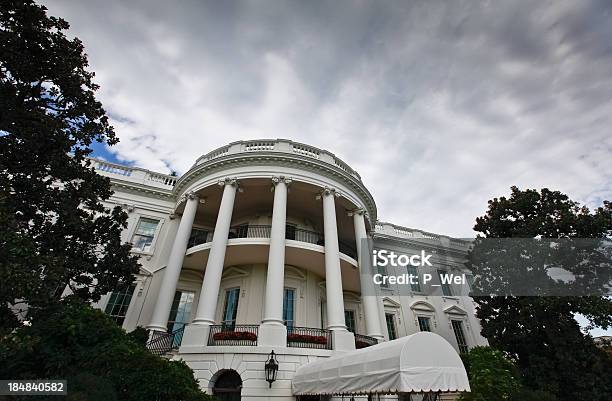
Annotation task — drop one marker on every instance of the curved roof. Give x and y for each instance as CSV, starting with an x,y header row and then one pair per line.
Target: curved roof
x,y
422,362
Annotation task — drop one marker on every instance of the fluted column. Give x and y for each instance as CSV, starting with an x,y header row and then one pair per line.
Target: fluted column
x,y
165,296
273,331
368,295
343,340
209,294
333,276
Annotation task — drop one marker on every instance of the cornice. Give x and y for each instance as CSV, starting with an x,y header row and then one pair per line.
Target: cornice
x,y
143,189
279,159
427,244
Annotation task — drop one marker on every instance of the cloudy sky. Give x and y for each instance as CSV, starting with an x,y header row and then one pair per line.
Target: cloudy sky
x,y
439,106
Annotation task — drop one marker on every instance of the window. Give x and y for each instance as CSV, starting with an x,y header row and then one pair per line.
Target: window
x,y
289,307
390,318
424,323
180,313
383,270
118,304
230,309
470,280
290,231
143,236
349,318
460,336
198,236
241,231
446,289
415,273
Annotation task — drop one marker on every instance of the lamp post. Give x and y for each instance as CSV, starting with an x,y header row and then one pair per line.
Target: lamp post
x,y
271,369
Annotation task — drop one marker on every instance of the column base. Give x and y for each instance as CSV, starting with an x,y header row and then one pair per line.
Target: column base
x,y
272,334
195,335
156,327
343,340
379,337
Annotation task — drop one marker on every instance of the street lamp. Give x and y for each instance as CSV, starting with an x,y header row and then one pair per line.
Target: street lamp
x,y
271,369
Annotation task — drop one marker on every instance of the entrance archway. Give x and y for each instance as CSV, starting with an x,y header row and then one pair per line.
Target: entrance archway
x,y
228,386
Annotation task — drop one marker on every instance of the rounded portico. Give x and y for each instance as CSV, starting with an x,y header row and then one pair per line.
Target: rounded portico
x,y
277,212
254,252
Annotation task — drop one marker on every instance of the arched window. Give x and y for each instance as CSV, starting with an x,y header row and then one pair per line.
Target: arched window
x,y
228,386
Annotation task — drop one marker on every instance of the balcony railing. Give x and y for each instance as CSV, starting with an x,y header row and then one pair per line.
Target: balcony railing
x,y
307,337
277,146
362,341
233,334
264,231
161,343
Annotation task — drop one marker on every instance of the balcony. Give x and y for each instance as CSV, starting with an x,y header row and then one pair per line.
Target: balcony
x,y
199,237
363,341
233,334
162,343
135,175
307,337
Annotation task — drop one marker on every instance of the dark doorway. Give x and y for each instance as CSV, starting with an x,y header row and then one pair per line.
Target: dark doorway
x,y
228,386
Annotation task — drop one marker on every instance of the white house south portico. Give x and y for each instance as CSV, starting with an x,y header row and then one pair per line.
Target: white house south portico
x,y
256,249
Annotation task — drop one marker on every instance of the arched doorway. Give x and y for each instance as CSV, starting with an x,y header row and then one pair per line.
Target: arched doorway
x,y
228,386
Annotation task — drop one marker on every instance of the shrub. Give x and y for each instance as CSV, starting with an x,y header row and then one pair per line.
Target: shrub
x,y
100,361
492,376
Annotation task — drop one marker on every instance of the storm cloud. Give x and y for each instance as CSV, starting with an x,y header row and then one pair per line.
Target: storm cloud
x,y
440,106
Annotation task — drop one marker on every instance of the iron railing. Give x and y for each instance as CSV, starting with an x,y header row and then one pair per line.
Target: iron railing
x,y
199,236
362,341
299,234
307,337
250,231
161,343
234,334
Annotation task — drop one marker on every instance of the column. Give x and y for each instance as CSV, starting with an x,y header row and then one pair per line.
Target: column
x,y
196,334
343,340
272,330
368,294
165,296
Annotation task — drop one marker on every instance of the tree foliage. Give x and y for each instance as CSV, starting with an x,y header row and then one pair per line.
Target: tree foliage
x,y
98,359
492,376
54,230
541,333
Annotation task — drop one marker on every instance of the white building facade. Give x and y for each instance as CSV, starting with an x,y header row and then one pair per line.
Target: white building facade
x,y
256,249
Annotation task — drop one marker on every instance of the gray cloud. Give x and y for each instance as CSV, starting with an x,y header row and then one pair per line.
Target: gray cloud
x,y
439,105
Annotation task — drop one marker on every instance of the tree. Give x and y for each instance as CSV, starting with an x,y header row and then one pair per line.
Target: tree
x,y
98,359
492,376
541,333
54,230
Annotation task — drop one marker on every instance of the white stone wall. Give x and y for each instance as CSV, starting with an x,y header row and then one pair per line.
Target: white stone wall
x,y
249,363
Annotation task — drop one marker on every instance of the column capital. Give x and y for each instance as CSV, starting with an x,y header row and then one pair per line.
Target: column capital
x,y
233,181
191,195
357,212
281,178
327,191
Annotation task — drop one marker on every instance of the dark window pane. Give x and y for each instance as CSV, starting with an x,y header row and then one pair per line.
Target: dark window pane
x,y
118,304
460,336
391,326
349,318
289,307
446,289
424,323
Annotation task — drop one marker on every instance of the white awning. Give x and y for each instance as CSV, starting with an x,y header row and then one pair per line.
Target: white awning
x,y
422,362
